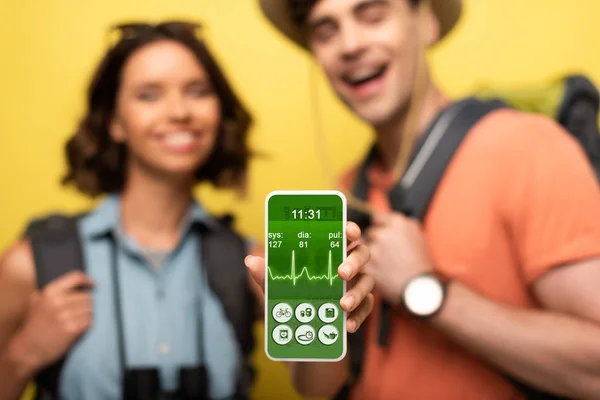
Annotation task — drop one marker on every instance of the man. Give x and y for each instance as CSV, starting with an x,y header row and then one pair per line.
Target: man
x,y
507,260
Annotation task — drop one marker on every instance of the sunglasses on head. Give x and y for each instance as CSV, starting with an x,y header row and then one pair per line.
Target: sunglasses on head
x,y
133,30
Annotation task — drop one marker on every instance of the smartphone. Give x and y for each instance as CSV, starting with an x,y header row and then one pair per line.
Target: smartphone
x,y
305,237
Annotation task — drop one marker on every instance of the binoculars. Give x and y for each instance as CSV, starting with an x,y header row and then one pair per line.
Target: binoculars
x,y
144,384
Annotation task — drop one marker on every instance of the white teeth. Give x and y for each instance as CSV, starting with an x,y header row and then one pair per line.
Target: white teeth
x,y
363,74
179,138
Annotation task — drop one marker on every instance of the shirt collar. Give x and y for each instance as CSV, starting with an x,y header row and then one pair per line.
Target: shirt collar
x,y
106,218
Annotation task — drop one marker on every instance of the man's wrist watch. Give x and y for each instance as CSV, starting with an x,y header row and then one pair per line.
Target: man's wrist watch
x,y
424,295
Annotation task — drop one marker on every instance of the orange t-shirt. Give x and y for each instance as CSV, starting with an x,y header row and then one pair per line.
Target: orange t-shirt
x,y
518,198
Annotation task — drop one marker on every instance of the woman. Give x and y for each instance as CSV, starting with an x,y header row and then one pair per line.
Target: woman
x,y
161,117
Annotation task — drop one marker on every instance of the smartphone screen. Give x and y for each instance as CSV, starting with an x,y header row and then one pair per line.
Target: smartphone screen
x,y
305,245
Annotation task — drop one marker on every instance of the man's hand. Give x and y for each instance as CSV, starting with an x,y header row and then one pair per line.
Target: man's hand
x,y
358,301
398,253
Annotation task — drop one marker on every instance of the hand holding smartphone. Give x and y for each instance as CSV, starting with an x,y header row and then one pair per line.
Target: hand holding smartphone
x,y
305,244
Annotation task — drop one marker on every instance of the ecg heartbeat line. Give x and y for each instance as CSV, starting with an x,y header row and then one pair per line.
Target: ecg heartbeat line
x,y
304,271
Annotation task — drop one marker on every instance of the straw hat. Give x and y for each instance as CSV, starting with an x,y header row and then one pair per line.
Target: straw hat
x,y
278,13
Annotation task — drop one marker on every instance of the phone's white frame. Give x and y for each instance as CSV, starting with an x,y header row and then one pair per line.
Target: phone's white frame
x,y
344,255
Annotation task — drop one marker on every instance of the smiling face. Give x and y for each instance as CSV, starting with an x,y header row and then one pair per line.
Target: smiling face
x,y
167,112
369,52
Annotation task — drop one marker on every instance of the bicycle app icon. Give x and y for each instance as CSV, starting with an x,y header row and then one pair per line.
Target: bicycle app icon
x,y
282,312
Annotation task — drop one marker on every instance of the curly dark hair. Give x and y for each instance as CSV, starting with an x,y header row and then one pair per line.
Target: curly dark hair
x,y
301,8
96,163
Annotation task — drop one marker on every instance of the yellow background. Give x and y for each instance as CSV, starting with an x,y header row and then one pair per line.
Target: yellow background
x,y
49,48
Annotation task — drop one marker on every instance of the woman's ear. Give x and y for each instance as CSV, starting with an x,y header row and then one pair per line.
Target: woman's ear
x,y
116,130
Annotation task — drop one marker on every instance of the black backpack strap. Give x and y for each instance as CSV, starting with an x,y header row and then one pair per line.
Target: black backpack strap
x,y
428,163
56,247
360,190
578,113
57,250
223,253
418,185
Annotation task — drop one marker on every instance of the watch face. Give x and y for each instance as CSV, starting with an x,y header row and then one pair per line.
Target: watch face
x,y
424,295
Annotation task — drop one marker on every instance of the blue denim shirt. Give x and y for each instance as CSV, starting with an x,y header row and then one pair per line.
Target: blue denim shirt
x,y
166,311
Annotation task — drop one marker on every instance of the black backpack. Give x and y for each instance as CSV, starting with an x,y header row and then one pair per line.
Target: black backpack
x,y
57,250
577,111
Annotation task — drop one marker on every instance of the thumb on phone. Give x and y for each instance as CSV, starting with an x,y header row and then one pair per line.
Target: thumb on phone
x,y
256,266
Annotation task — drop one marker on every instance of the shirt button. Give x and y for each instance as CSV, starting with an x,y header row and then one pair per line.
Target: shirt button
x,y
165,349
